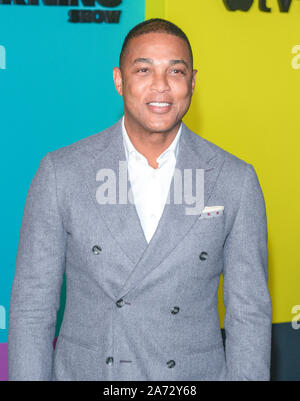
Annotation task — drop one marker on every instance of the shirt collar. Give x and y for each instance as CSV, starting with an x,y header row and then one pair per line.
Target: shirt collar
x,y
173,149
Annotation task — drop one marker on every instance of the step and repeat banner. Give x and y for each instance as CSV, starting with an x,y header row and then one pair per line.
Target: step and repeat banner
x,y
56,87
247,53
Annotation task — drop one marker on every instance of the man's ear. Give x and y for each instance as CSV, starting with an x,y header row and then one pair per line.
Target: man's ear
x,y
117,75
194,79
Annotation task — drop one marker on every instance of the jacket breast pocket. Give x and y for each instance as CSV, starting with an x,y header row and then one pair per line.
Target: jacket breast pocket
x,y
213,226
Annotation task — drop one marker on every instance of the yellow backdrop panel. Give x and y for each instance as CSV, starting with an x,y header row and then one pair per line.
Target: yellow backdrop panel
x,y
247,102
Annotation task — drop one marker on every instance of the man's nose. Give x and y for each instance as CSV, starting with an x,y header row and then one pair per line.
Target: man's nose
x,y
160,83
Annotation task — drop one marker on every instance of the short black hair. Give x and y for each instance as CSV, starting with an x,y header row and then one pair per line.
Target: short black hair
x,y
158,25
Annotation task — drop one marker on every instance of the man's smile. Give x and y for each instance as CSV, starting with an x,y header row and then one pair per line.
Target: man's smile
x,y
159,107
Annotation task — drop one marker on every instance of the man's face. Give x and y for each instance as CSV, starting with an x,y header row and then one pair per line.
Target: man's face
x,y
156,82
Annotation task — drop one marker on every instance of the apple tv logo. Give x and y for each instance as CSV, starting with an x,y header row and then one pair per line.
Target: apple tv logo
x,y
2,58
233,5
245,5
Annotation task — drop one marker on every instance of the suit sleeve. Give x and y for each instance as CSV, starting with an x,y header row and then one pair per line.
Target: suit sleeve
x,y
39,269
248,308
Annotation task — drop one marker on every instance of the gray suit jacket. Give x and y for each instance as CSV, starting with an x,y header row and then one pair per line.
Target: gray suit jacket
x,y
139,311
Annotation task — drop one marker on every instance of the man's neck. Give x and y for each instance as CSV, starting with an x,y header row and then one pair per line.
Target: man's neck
x,y
150,144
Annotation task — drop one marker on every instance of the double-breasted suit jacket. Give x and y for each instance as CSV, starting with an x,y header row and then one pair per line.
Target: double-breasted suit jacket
x,y
139,311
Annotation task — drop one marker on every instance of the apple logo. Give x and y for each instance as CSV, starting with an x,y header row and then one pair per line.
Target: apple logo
x,y
233,5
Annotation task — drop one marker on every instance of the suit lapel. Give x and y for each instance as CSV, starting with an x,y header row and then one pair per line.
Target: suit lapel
x,y
121,219
175,223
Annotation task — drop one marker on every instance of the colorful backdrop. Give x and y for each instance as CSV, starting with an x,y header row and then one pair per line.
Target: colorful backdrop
x,y
55,88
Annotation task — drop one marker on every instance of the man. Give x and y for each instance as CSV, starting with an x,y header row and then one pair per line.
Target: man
x,y
142,275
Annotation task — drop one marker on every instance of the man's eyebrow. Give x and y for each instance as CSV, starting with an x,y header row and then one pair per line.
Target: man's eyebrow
x,y
143,60
150,61
181,61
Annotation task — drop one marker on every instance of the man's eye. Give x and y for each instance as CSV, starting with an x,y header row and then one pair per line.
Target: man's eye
x,y
142,69
176,71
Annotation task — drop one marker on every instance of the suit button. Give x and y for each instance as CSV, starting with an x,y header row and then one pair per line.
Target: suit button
x,y
203,255
120,303
96,249
171,363
110,360
175,310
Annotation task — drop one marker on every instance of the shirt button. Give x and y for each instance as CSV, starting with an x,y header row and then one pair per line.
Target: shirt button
x,y
96,249
120,303
171,363
203,255
175,310
109,360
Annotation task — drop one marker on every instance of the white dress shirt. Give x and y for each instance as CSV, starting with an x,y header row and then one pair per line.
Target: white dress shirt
x,y
150,186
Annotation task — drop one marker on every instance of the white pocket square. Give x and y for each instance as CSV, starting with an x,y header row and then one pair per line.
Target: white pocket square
x,y
208,209
211,211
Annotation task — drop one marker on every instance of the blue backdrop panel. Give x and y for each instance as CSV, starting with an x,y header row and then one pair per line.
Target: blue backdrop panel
x,y
56,87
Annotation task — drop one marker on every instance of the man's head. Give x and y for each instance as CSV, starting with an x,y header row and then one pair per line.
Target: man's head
x,y
155,76
154,25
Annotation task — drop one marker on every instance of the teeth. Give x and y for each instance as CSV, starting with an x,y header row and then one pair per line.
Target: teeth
x,y
159,104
